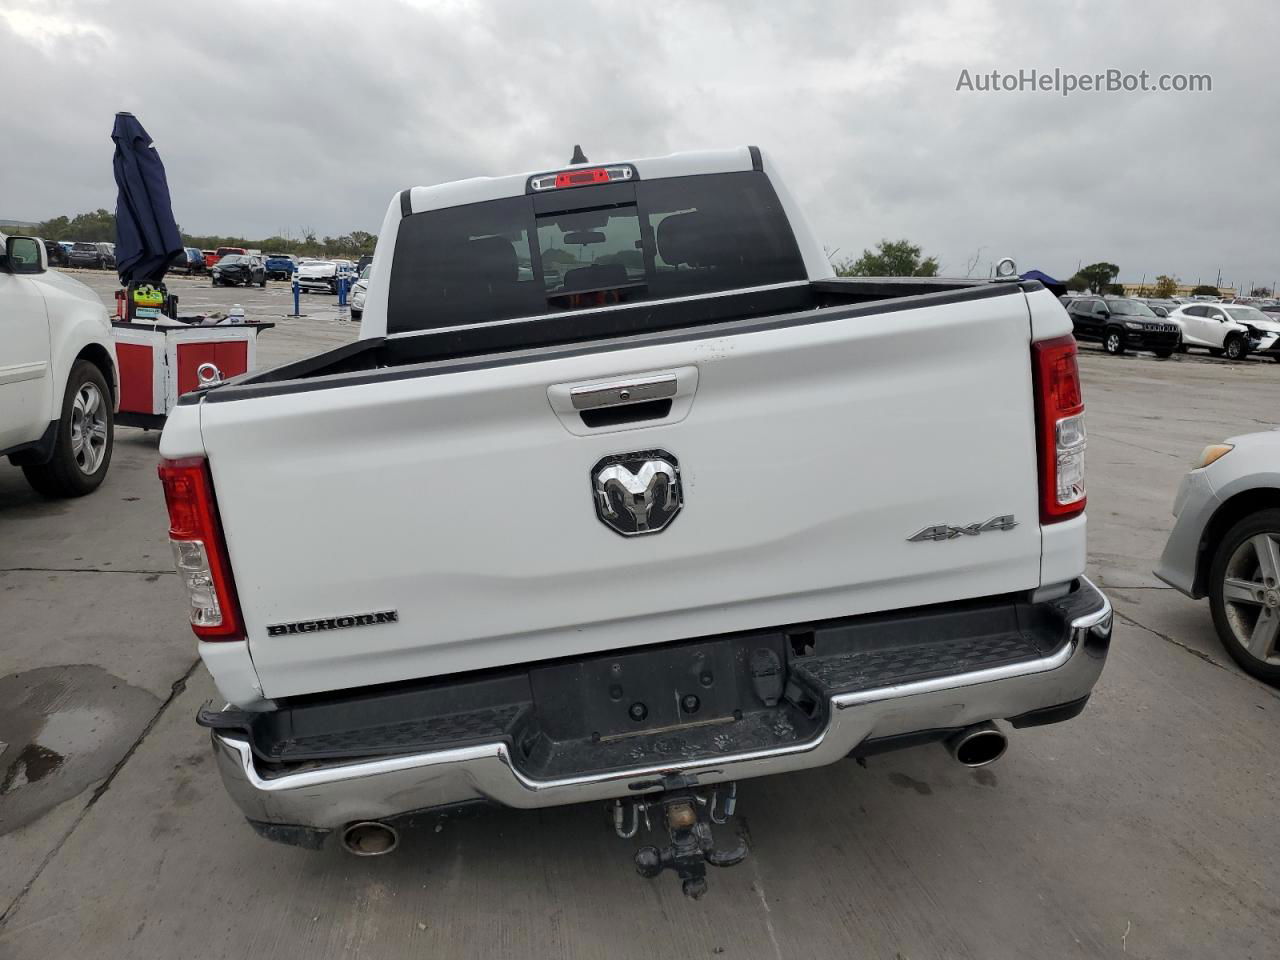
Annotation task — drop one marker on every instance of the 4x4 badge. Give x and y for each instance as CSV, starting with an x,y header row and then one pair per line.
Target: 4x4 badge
x,y
945,531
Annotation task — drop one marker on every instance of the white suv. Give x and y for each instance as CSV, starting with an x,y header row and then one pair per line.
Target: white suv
x,y
58,387
1227,329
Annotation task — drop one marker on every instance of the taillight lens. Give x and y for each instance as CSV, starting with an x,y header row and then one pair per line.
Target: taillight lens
x,y
199,551
1060,436
580,177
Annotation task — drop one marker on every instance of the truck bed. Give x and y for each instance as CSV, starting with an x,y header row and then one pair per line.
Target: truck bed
x,y
536,338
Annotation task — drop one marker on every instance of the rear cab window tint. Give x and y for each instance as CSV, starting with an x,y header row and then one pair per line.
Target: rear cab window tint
x,y
586,247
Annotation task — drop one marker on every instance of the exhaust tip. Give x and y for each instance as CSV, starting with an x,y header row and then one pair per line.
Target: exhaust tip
x,y
979,745
369,838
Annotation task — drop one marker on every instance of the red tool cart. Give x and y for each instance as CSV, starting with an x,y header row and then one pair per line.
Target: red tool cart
x,y
157,358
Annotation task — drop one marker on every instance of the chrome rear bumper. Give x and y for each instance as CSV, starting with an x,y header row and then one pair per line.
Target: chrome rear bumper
x,y
327,797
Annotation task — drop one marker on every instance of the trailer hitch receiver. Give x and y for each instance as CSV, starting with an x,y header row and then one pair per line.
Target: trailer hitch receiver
x,y
687,814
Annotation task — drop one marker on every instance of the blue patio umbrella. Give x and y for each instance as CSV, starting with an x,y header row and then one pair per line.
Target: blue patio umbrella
x,y
1056,287
147,236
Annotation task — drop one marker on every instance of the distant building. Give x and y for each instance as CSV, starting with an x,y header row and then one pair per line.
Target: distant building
x,y
1181,290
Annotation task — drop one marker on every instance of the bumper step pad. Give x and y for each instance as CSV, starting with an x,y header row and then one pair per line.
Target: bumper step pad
x,y
374,740
838,673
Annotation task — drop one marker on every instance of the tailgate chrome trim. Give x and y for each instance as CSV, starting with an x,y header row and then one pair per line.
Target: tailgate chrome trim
x,y
328,797
634,390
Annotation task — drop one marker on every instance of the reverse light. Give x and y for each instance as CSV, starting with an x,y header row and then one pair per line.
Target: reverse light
x,y
199,551
1060,433
1212,453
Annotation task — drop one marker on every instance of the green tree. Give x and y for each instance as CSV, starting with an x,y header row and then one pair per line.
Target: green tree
x,y
892,258
101,225
1097,276
1259,292
1204,290
1166,286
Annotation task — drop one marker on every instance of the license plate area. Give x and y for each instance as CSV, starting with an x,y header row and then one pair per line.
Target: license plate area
x,y
658,688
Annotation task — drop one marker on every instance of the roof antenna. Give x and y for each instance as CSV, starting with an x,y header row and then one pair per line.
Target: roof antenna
x,y
578,155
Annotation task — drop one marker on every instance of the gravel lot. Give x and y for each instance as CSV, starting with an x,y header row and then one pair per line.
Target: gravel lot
x,y
1144,828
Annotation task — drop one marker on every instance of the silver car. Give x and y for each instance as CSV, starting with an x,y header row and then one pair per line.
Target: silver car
x,y
359,292
1225,546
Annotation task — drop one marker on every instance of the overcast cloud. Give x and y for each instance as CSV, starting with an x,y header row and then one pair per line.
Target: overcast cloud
x,y
283,116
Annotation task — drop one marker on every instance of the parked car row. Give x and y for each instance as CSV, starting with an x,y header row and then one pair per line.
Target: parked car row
x,y
229,266
1230,330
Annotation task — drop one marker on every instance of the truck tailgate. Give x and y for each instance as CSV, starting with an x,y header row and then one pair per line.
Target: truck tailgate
x,y
810,453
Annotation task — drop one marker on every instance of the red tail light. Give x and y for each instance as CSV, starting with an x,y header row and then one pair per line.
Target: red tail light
x,y
199,551
1060,436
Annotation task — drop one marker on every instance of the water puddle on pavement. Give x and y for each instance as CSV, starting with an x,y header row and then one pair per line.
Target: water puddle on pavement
x,y
62,729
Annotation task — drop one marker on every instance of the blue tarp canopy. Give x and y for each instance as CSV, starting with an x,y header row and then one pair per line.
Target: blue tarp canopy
x,y
1056,287
147,236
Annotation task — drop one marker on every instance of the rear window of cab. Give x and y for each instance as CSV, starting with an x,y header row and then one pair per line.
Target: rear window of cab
x,y
588,247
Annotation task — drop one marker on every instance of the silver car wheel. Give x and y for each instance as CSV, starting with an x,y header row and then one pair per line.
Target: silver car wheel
x,y
88,429
1251,596
1113,343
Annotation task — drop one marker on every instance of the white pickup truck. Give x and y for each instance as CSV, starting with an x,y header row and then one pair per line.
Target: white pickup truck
x,y
621,496
58,383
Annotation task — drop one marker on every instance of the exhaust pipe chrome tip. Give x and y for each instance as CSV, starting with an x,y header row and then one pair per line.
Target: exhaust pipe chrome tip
x,y
978,745
369,838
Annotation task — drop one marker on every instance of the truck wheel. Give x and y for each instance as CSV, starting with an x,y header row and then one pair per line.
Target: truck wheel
x,y
1113,342
82,451
1244,593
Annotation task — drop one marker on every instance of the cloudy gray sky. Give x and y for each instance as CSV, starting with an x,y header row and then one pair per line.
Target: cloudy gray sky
x,y
279,116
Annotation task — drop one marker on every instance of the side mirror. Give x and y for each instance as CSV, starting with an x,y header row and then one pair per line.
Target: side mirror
x,y
25,255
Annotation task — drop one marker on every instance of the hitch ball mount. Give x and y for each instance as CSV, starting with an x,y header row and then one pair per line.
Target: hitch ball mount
x,y
687,814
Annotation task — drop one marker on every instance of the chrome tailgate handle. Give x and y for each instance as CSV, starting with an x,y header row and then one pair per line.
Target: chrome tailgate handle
x,y
629,391
625,401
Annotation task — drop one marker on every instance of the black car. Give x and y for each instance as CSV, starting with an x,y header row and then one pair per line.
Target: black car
x,y
1121,324
240,269
57,253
